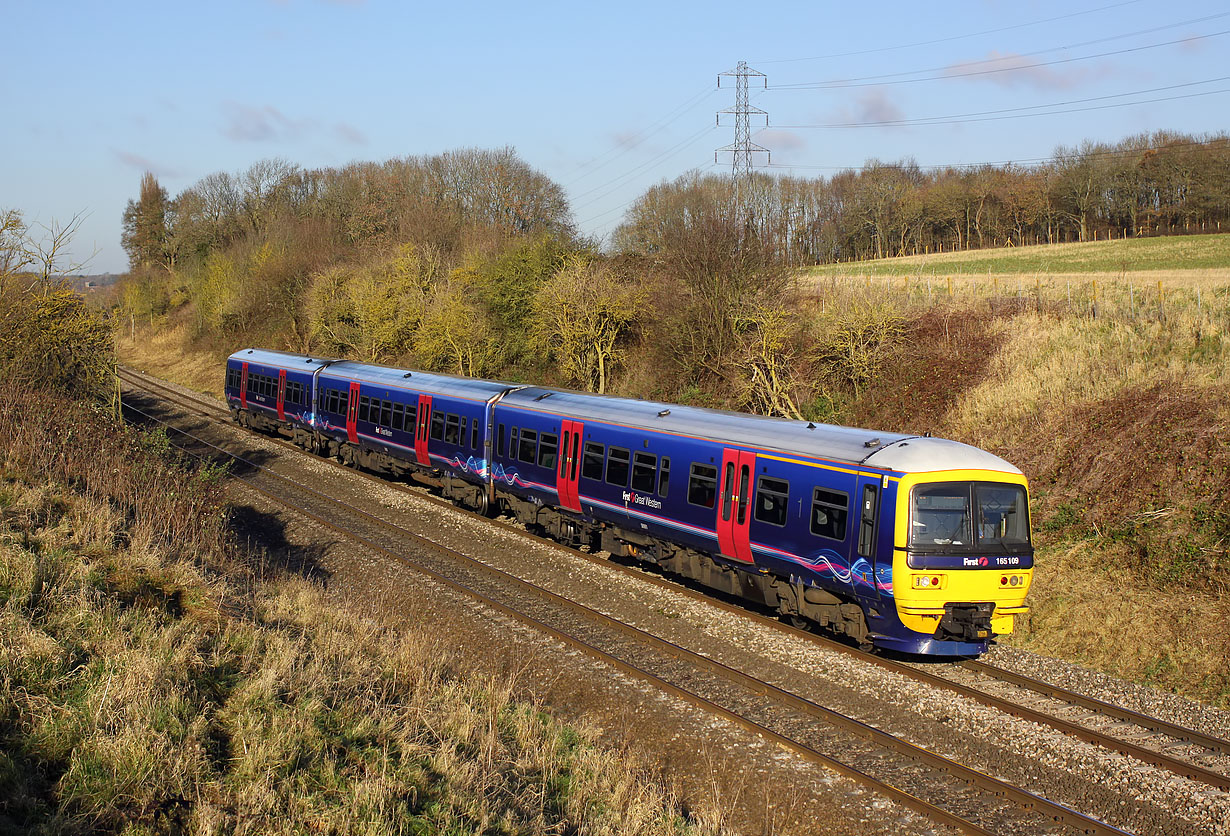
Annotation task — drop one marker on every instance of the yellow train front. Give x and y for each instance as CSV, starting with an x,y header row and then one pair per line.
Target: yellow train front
x,y
962,560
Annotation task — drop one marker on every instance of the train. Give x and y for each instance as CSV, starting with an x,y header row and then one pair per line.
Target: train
x,y
904,543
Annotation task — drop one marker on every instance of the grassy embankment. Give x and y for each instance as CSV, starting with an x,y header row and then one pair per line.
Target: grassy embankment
x,y
1121,420
156,678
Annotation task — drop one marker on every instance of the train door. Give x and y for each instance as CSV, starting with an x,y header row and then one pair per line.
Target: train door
x,y
281,394
422,431
569,472
243,387
352,413
868,523
734,504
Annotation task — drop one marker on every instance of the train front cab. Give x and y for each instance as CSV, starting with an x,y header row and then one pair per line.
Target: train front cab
x,y
962,559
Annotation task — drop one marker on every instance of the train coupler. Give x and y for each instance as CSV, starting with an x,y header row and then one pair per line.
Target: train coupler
x,y
966,622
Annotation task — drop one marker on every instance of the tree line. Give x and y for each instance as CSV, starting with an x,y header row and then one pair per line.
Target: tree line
x,y
1149,184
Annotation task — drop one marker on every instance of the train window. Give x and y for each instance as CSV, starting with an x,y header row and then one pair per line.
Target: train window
x,y
772,500
591,466
617,466
528,446
337,402
867,521
462,439
664,476
744,476
702,485
728,490
644,472
437,426
386,413
399,416
288,395
548,449
364,405
474,434
512,443
828,513
499,442
451,426
575,459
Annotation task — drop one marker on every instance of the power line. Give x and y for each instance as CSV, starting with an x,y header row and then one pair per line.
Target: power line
x,y
642,136
922,123
941,166
959,118
945,40
643,166
839,84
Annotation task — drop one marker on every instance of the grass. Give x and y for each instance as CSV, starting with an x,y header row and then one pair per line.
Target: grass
x,y
1178,261
154,680
164,352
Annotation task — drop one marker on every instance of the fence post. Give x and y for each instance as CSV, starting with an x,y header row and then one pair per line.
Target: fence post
x,y
950,286
1094,305
1161,301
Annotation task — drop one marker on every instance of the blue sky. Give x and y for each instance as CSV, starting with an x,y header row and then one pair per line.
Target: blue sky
x,y
607,99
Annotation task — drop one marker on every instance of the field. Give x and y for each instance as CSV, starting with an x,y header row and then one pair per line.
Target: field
x,y
1198,261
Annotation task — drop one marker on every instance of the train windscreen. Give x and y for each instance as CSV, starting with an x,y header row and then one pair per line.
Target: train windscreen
x,y
969,516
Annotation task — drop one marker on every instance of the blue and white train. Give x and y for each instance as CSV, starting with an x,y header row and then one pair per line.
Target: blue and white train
x,y
909,543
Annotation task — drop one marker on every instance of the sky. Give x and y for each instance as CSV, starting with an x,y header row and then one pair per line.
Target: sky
x,y
606,99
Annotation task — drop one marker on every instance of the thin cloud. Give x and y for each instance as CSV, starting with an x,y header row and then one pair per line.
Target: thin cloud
x,y
779,139
143,164
1010,69
349,134
245,123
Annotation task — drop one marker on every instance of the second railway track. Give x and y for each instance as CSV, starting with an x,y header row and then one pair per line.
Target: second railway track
x,y
793,703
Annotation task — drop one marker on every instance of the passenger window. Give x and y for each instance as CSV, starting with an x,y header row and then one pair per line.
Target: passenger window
x,y
591,467
474,434
399,416
744,477
364,404
664,476
617,466
702,485
548,448
462,440
528,446
644,471
867,521
499,442
386,413
772,500
451,425
512,443
437,426
728,490
829,510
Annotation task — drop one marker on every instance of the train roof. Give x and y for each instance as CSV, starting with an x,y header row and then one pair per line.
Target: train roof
x,y
884,450
285,359
888,451
429,382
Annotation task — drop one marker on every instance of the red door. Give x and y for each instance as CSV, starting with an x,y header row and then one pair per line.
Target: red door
x,y
281,394
569,472
243,387
734,504
422,431
352,414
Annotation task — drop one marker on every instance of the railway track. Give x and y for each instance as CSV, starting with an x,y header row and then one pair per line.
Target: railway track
x,y
674,665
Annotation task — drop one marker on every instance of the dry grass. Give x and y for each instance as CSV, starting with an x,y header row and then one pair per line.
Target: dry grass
x,y
146,687
1085,592
169,353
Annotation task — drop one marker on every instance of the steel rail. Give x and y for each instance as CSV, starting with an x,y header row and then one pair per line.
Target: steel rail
x,y
994,786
